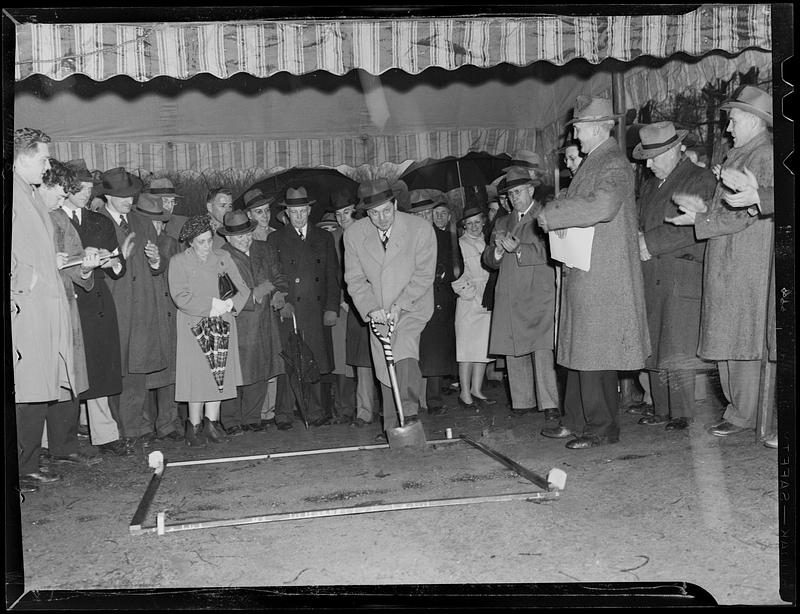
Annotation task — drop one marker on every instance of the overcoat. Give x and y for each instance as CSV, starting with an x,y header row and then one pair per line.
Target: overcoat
x,y
736,275
673,277
67,240
472,320
339,330
143,346
401,275
192,285
524,295
168,246
98,312
41,334
265,267
603,324
310,267
357,333
437,343
257,327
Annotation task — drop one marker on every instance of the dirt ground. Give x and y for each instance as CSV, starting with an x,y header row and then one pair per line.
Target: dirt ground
x,y
658,506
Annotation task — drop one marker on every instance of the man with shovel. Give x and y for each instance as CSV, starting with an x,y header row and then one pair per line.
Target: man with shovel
x,y
390,262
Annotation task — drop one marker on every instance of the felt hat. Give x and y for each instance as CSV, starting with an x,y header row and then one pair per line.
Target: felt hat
x,y
328,222
374,193
753,100
657,138
340,200
517,176
528,160
297,197
425,204
120,183
194,226
255,198
591,109
470,212
236,223
163,187
150,206
82,172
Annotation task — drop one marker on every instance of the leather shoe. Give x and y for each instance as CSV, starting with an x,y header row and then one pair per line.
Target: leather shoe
x,y
521,411
117,448
641,408
410,419
557,432
484,402
283,426
462,403
653,419
236,430
552,414
678,424
76,458
581,443
359,422
725,428
171,436
257,427
320,421
39,477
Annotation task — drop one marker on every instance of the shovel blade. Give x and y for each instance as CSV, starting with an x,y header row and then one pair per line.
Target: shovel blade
x,y
409,436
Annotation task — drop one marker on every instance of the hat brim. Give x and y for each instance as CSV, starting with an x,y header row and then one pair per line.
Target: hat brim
x,y
472,213
535,181
427,207
261,202
735,104
251,226
364,207
640,153
132,190
156,217
289,206
587,120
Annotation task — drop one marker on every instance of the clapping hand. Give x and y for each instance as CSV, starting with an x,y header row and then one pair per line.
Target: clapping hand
x,y
127,246
744,186
153,257
509,243
689,202
91,260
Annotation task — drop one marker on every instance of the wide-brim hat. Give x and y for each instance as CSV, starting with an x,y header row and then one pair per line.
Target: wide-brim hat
x,y
163,187
374,193
655,139
751,99
255,198
149,205
119,183
236,223
470,212
82,172
517,176
535,181
296,197
328,222
591,109
426,204
529,160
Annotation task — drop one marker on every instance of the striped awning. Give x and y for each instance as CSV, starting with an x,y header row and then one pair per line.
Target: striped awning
x,y
144,51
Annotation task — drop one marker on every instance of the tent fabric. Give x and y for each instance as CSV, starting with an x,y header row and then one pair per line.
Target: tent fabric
x,y
263,48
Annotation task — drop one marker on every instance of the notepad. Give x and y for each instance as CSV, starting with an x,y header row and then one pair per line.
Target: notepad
x,y
575,249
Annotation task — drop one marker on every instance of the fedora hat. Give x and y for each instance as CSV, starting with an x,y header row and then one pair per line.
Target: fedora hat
x,y
528,160
297,197
591,109
255,198
328,222
150,206
120,183
470,212
516,176
374,193
163,187
340,200
751,99
423,205
236,223
657,138
82,172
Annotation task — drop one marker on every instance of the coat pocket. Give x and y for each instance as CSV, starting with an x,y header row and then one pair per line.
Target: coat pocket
x,y
689,278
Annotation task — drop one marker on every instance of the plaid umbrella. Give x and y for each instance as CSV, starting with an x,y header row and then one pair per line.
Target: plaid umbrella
x,y
213,336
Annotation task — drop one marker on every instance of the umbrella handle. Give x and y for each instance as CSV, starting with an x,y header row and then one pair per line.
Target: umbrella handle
x,y
294,323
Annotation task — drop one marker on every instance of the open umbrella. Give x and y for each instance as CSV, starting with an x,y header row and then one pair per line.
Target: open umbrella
x,y
213,336
320,183
445,174
301,368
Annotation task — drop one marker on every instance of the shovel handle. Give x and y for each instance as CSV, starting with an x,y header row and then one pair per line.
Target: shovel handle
x,y
386,342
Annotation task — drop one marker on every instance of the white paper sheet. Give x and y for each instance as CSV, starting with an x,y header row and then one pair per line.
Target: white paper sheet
x,y
575,249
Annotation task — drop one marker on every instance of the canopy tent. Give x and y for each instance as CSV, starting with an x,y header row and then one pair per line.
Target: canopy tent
x,y
484,85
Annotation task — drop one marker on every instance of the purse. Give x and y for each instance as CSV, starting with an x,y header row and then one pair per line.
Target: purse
x,y
227,288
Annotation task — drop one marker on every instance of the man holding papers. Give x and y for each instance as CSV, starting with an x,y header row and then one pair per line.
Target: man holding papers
x,y
602,324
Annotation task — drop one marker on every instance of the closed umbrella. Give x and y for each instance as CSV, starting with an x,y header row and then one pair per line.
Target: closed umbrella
x,y
213,336
301,368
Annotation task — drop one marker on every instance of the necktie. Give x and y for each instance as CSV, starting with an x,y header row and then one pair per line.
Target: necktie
x,y
520,215
302,236
384,239
123,223
73,217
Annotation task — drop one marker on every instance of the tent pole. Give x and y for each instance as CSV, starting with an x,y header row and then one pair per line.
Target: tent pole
x,y
618,99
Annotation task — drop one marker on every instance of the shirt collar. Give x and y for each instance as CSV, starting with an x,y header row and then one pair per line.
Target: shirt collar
x,y
117,217
70,212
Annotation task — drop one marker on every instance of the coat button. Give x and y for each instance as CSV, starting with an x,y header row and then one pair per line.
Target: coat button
x,y
316,279
297,280
100,315
134,278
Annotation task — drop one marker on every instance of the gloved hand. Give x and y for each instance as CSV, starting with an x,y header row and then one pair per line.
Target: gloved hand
x,y
219,307
329,318
287,311
278,300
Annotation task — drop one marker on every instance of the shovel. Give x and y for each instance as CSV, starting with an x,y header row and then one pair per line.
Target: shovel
x,y
403,436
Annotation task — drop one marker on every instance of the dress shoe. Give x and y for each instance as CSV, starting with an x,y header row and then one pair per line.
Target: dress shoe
x,y
194,436
552,414
117,448
410,419
323,421
76,458
771,442
653,419
557,432
725,428
359,422
40,477
678,424
236,430
641,408
171,436
521,411
483,402
214,431
463,404
283,426
581,443
437,411
258,427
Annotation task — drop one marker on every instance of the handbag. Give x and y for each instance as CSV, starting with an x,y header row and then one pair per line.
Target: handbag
x,y
227,288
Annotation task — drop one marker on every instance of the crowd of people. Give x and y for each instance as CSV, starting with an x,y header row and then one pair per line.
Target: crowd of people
x,y
144,324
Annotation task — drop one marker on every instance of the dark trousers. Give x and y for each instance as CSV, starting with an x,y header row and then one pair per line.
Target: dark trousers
x,y
161,411
673,392
339,392
62,431
409,383
591,404
127,408
245,408
433,391
285,401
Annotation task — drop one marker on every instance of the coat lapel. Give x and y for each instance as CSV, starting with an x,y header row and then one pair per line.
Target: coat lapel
x,y
372,243
398,240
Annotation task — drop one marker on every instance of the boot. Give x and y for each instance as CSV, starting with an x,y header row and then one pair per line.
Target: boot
x,y
214,431
194,435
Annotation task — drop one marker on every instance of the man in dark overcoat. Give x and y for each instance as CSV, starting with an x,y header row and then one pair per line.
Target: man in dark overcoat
x,y
143,346
306,256
602,322
737,326
672,265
